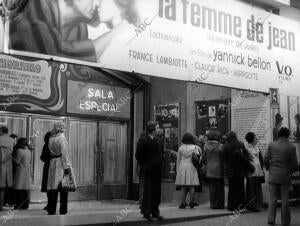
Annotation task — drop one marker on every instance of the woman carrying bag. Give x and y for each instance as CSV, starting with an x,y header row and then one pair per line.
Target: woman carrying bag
x,y
59,169
187,176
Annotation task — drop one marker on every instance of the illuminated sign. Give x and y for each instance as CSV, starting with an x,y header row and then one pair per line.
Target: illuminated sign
x,y
98,99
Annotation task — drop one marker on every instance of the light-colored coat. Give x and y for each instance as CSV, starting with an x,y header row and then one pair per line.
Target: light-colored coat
x,y
186,172
281,160
255,153
22,175
6,148
58,145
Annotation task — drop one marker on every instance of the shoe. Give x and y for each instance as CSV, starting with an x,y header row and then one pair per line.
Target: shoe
x,y
51,213
63,212
158,217
182,206
148,217
271,223
191,205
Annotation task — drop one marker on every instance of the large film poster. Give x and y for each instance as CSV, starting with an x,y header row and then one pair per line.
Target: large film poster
x,y
169,121
227,43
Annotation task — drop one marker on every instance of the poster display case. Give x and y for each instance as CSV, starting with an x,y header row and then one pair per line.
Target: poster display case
x,y
168,118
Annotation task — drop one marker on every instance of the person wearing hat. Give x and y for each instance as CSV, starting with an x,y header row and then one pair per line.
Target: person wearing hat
x,y
150,157
278,124
60,165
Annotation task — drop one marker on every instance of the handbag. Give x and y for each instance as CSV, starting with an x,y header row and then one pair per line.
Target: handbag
x,y
196,160
68,183
261,179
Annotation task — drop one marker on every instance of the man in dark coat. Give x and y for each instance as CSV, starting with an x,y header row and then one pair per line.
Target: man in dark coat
x,y
6,148
237,167
149,155
281,161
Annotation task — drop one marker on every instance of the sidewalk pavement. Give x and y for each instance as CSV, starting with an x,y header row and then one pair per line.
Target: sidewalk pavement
x,y
115,212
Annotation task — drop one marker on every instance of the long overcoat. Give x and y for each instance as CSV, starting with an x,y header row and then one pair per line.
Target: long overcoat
x,y
58,146
22,176
6,148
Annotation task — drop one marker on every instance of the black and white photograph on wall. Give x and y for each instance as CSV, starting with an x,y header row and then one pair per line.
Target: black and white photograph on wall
x,y
222,110
201,111
212,111
213,123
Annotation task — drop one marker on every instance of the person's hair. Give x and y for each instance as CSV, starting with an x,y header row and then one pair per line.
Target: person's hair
x,y
278,119
13,136
188,138
297,117
128,11
250,137
47,137
58,128
284,132
151,126
213,136
22,143
4,129
231,136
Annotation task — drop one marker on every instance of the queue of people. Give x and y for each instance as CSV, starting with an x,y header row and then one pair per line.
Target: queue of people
x,y
220,159
15,170
216,161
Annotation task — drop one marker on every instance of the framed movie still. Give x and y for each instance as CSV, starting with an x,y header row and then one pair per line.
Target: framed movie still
x,y
168,118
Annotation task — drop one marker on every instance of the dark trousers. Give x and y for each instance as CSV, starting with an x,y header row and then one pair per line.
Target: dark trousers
x,y
52,201
22,199
236,193
2,193
152,193
216,193
9,196
253,194
277,191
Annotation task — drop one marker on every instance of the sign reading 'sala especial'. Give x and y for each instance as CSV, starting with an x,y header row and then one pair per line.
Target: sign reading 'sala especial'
x,y
227,43
97,99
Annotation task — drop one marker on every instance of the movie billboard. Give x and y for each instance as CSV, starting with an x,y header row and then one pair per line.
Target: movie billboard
x,y
225,43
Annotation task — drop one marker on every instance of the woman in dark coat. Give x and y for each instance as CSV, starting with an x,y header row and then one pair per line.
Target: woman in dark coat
x,y
45,157
9,198
237,166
